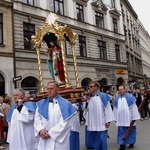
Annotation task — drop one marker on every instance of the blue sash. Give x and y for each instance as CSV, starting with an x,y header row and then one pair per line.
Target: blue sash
x,y
104,97
66,108
29,105
129,98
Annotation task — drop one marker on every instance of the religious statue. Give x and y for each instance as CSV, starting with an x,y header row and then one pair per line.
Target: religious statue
x,y
55,63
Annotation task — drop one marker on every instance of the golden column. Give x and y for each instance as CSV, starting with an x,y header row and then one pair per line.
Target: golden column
x,y
64,63
40,70
75,64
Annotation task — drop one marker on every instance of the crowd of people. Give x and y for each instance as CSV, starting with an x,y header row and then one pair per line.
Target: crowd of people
x,y
53,123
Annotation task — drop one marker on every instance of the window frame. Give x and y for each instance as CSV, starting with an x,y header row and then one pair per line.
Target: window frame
x,y
54,2
1,23
117,51
28,2
82,46
100,17
115,25
102,49
27,40
113,4
80,12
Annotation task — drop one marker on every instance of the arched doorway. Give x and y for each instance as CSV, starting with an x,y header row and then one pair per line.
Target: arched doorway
x,y
85,82
2,85
30,84
120,81
103,85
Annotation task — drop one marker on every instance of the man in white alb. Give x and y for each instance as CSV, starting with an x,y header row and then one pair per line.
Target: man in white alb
x,y
125,110
98,119
53,120
20,120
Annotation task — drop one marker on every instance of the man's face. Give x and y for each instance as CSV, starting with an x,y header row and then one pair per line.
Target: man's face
x,y
121,90
52,90
92,88
1,100
17,96
10,101
52,43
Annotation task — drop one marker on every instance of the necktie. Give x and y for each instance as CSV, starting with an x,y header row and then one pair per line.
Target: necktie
x,y
86,105
51,100
92,95
122,95
19,107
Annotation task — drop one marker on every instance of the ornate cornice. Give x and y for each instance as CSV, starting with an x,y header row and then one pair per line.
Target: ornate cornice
x,y
5,3
6,54
99,4
114,12
83,2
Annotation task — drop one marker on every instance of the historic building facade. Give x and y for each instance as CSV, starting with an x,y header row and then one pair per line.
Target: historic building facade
x,y
6,48
145,50
100,44
111,44
132,43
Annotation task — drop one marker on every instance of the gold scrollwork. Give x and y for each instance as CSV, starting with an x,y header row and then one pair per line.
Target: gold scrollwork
x,y
52,26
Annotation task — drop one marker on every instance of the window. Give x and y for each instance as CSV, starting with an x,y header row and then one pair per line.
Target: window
x,y
29,2
113,3
57,6
128,61
2,85
129,35
102,49
28,31
80,15
132,64
117,49
1,29
99,19
115,27
30,84
82,46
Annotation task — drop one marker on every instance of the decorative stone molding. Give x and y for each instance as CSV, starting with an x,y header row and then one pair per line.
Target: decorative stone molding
x,y
115,13
83,2
99,4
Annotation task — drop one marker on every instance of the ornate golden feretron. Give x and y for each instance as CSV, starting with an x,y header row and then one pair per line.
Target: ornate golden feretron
x,y
61,32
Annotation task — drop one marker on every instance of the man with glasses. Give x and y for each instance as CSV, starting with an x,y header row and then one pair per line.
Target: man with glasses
x,y
125,110
98,120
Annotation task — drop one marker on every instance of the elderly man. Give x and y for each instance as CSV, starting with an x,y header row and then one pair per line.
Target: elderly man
x,y
53,120
125,110
20,119
98,118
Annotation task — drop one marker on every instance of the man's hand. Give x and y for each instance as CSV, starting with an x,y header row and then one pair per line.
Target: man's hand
x,y
19,101
107,124
44,134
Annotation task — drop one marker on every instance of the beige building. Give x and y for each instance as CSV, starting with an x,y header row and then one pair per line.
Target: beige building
x,y
100,44
6,48
108,47
132,43
145,50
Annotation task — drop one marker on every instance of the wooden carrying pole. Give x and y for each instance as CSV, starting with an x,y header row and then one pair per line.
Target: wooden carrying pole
x,y
133,121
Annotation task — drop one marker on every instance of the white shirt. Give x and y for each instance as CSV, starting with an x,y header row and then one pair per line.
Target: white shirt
x,y
98,115
123,114
58,130
21,131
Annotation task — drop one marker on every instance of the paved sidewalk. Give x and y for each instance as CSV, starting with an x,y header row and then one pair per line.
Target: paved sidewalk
x,y
143,137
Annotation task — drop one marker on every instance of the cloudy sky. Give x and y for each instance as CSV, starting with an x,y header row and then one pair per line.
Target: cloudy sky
x,y
142,8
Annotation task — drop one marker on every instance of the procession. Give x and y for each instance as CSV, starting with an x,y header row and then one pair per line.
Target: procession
x,y
74,75
54,123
